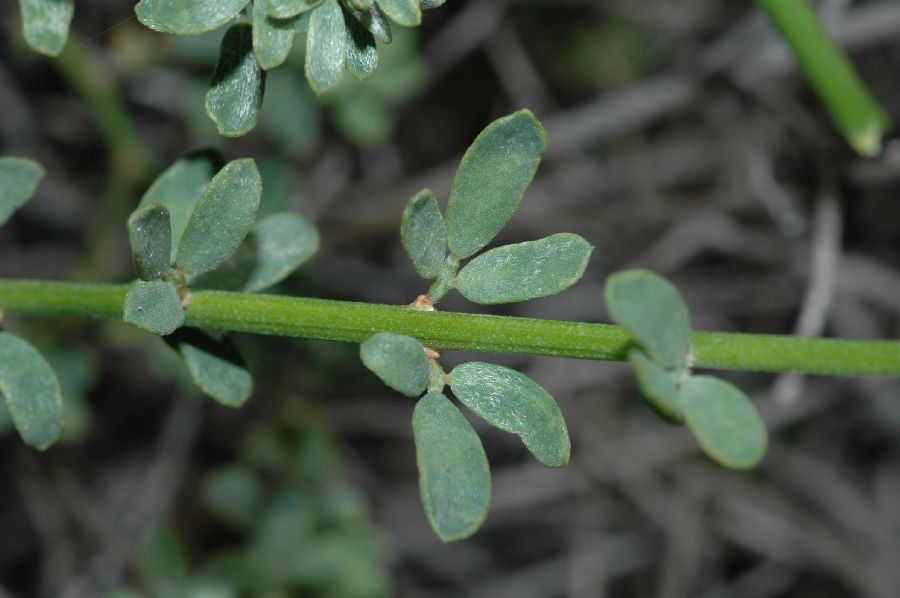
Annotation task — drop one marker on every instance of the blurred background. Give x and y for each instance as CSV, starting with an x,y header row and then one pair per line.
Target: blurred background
x,y
682,139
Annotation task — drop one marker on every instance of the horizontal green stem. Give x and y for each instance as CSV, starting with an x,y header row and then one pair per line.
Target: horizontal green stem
x,y
354,322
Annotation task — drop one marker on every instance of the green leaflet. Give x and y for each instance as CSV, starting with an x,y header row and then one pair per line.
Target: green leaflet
x,y
454,477
426,4
362,55
276,246
326,43
216,366
283,9
235,95
361,4
221,218
272,37
32,392
153,306
525,270
187,17
399,361
235,493
150,236
491,180
19,178
180,187
658,386
725,422
45,24
653,312
375,21
423,233
515,403
403,12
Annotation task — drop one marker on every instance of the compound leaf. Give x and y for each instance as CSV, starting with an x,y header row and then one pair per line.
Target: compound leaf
x,y
423,233
658,386
283,9
492,178
45,24
399,361
187,17
525,270
407,13
216,366
19,178
454,477
362,55
515,403
150,236
222,217
235,95
153,306
375,21
725,422
326,43
272,37
653,312
32,392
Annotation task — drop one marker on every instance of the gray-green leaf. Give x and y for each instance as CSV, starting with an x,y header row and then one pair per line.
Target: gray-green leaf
x,y
283,9
31,390
651,310
427,4
423,233
454,477
150,235
326,43
45,24
399,361
187,17
362,55
725,422
222,217
180,187
525,270
375,21
216,366
491,180
515,403
19,178
235,493
153,306
403,12
235,95
272,37
658,386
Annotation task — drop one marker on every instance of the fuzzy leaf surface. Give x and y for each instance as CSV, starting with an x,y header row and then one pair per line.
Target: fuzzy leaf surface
x,y
235,95
428,4
326,46
362,55
399,361
514,403
454,477
651,309
32,392
491,180
45,24
284,9
407,13
375,21
216,366
19,178
658,386
272,37
424,234
150,236
153,306
187,17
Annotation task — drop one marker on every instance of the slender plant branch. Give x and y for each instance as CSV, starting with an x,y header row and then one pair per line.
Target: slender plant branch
x,y
355,322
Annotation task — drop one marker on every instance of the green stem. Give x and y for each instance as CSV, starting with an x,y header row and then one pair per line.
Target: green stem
x,y
830,72
354,322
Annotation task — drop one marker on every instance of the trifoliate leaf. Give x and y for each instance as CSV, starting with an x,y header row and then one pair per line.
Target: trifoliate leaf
x,y
725,422
454,477
45,24
284,9
525,270
651,310
235,95
150,235
216,366
399,361
423,233
272,37
362,55
153,306
19,178
32,392
403,12
222,217
180,187
658,386
375,21
187,17
515,403
491,180
326,43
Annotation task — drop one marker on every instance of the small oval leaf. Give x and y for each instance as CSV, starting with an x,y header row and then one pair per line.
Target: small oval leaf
x,y
19,178
222,217
283,9
651,310
235,95
403,12
423,233
725,422
399,361
216,366
32,392
153,306
235,493
525,270
362,55
45,24
326,43
454,477
375,21
272,37
187,17
514,403
491,180
150,236
658,386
